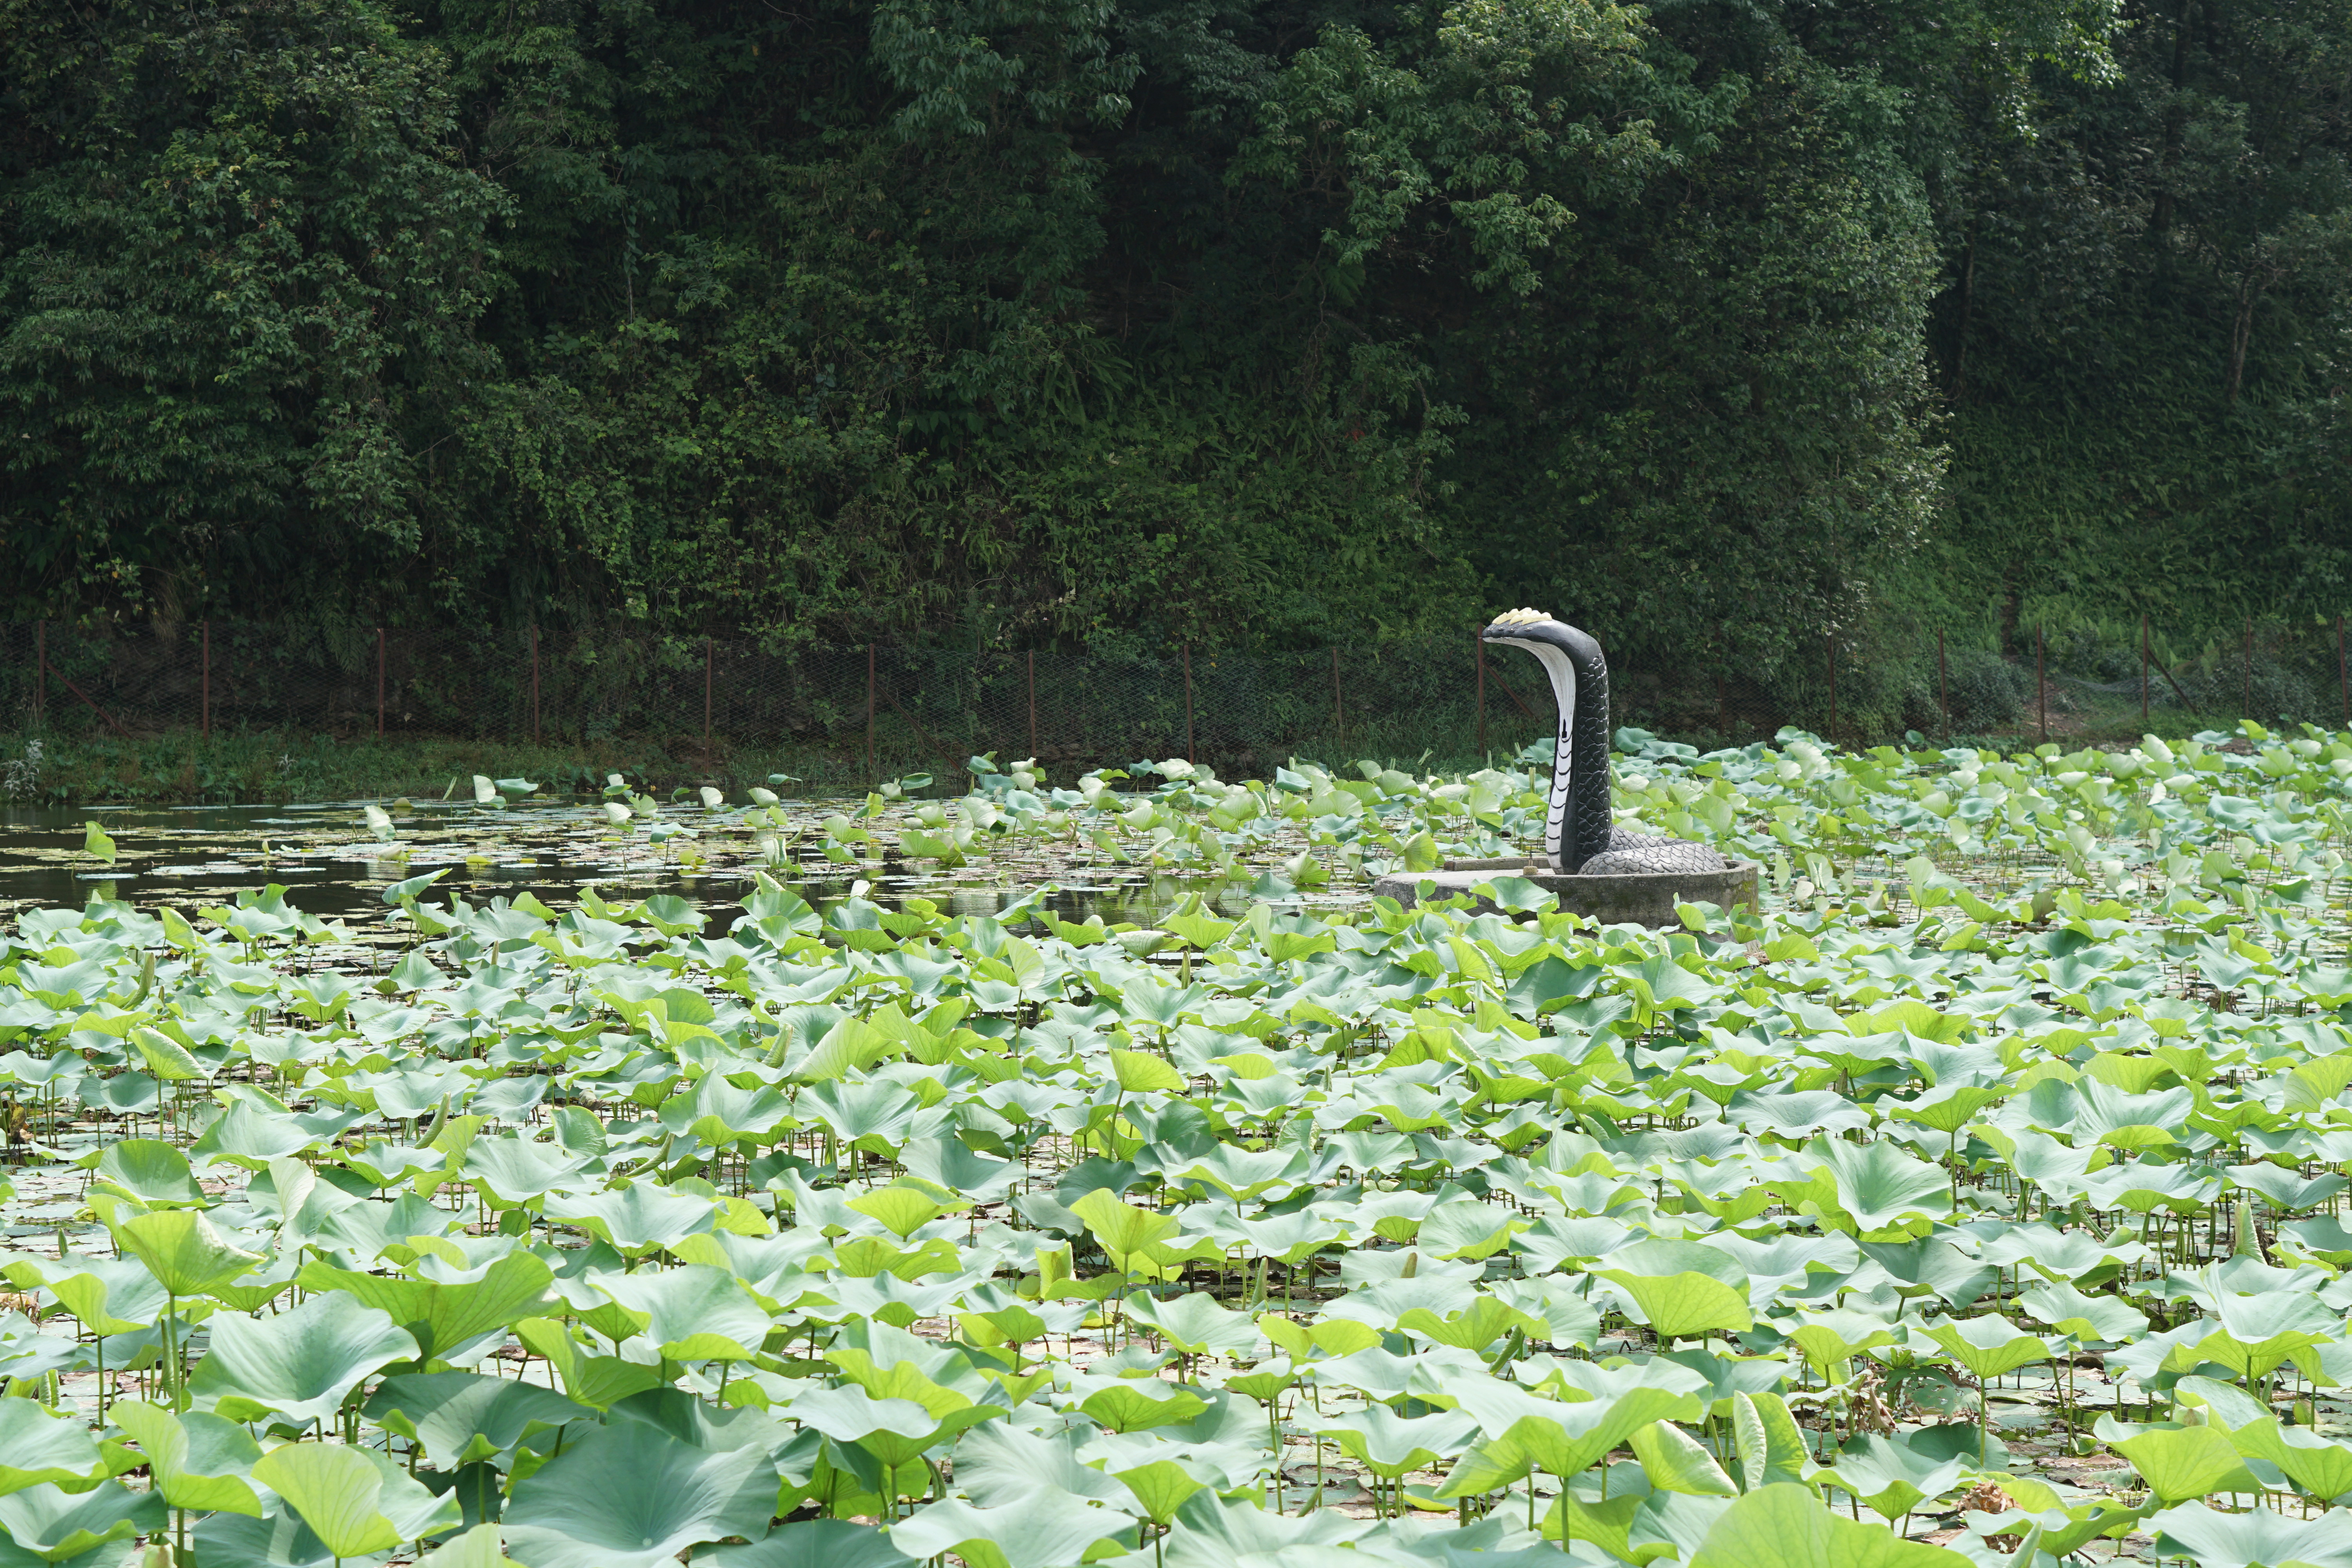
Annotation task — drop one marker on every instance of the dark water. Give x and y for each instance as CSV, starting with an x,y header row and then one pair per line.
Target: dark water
x,y
334,866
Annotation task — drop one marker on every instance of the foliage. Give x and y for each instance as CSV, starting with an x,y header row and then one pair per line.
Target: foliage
x,y
1036,1241
1050,322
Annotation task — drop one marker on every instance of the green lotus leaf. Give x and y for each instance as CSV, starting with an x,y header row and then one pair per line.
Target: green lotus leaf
x,y
511,1172
444,1314
300,1365
1878,1184
56,1525
1480,1324
248,1137
1000,1463
355,1500
1390,1445
637,1219
1049,1531
196,1460
1565,1443
694,1313
2319,1466
1131,1406
1159,1488
1891,1478
1988,1346
902,1211
632,1496
2070,1311
1195,1324
1124,1230
37,1445
1788,1527
460,1418
810,1543
182,1250
1684,1306
2187,1462
2215,1540
151,1171
1139,1072
1674,1462
108,1295
477,1548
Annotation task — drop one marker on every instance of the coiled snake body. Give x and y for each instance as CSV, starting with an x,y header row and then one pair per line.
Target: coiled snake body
x,y
1581,836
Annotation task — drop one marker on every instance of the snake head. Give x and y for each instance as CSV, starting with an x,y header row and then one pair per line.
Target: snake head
x,y
1532,628
1515,623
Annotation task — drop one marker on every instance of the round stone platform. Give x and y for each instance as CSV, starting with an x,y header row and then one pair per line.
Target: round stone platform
x,y
1646,899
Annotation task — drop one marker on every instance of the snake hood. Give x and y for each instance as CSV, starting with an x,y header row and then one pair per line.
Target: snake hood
x,y
1581,833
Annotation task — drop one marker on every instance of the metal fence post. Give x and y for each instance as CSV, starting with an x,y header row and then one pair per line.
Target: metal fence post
x,y
41,686
2041,680
871,768
1339,708
1478,656
1943,683
534,683
706,658
379,683
2249,697
1033,704
206,687
1831,641
2143,666
1188,701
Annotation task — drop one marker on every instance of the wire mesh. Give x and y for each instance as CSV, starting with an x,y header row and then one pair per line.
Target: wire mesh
x,y
933,707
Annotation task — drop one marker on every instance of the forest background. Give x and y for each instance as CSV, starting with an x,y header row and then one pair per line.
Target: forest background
x,y
1719,325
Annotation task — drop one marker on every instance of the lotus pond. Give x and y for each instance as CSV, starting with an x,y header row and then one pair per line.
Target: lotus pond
x,y
1064,1175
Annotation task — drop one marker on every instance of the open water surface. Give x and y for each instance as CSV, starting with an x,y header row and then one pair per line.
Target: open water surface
x,y
335,867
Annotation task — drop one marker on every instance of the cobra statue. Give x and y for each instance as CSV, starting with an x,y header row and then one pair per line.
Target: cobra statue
x,y
1580,834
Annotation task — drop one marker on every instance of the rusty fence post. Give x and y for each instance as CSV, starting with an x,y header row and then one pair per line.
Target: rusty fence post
x,y
534,683
706,703
2143,669
1339,708
1478,655
379,683
2040,680
205,711
41,683
871,768
1832,642
1188,701
1943,683
1033,704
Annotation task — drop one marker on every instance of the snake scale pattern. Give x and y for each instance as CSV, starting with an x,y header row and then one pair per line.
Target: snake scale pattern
x,y
1581,834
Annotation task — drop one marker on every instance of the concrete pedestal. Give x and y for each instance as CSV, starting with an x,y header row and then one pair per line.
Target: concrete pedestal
x,y
1646,899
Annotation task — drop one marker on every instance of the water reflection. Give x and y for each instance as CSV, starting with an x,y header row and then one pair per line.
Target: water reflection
x,y
335,867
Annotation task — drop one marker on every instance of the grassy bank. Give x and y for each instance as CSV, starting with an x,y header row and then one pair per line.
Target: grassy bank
x,y
265,767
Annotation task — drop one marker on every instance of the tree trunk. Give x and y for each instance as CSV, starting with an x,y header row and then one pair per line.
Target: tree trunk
x,y
2176,123
2240,330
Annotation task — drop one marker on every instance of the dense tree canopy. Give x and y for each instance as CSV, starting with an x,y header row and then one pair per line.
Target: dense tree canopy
x,y
1718,323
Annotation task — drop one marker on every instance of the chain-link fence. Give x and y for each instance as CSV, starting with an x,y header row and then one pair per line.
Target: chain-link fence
x,y
889,709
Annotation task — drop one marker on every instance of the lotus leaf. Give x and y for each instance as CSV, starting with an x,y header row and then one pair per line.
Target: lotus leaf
x,y
355,1500
631,1496
300,1365
58,1526
2236,1540
1788,1527
460,1418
